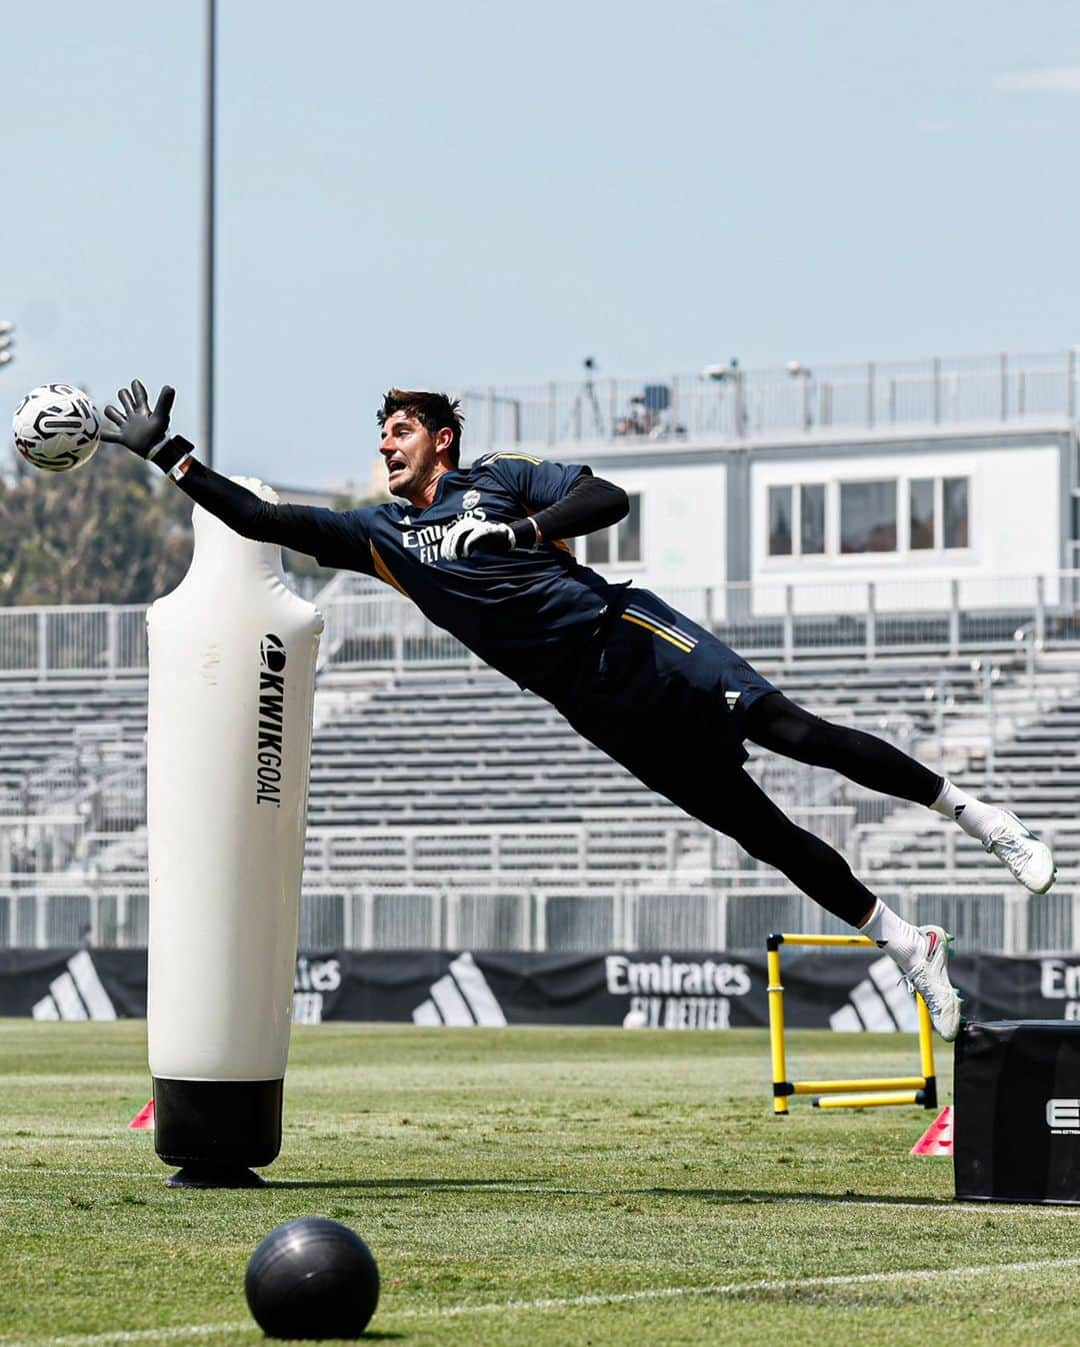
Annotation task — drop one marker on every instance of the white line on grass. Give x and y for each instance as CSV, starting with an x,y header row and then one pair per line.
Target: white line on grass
x,y
132,1335
961,1208
732,1289
719,1198
75,1173
737,1289
732,1199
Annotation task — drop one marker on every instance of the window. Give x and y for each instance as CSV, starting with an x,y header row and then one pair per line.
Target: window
x,y
598,548
797,513
620,543
812,519
938,513
867,517
921,514
628,533
870,516
779,521
955,511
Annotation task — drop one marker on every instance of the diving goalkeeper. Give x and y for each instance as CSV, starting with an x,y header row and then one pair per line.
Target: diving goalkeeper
x,y
480,551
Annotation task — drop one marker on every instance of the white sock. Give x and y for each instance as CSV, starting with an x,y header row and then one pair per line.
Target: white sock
x,y
903,942
976,818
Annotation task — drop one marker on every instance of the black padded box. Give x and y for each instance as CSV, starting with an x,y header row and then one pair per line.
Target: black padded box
x,y
1016,1096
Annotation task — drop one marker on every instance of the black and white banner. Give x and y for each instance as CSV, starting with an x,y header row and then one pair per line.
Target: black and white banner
x,y
841,990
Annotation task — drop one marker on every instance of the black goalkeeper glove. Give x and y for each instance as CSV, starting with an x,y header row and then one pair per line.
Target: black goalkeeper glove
x,y
144,432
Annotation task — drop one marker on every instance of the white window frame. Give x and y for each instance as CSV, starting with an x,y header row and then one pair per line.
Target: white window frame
x,y
903,550
901,533
796,520
796,523
939,549
940,500
935,546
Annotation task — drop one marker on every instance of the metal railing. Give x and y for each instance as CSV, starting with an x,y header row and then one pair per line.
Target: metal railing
x,y
368,625
1019,614
728,403
649,841
102,639
934,845
620,841
714,911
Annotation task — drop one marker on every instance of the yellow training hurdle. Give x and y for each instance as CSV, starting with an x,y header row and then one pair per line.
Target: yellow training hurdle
x,y
843,1093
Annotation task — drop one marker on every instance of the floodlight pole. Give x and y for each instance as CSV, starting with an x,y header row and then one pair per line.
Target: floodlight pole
x,y
206,408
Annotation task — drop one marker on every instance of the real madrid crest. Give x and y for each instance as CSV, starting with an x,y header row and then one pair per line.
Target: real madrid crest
x,y
470,500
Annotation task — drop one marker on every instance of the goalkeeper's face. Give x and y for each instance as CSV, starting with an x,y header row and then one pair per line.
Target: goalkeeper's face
x,y
415,459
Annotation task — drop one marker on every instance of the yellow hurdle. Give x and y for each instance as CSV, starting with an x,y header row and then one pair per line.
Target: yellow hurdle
x,y
866,1093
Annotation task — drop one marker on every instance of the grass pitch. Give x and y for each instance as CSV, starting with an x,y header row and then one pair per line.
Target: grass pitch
x,y
521,1186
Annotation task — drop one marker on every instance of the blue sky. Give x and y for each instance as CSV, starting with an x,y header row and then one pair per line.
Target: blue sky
x,y
437,195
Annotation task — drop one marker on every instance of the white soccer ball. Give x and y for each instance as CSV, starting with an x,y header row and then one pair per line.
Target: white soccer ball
x,y
56,427
635,1019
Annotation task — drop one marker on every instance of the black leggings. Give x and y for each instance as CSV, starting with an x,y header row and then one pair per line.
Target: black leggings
x,y
782,727
764,831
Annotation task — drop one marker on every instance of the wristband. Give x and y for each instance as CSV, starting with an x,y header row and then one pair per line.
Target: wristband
x,y
526,534
180,470
166,456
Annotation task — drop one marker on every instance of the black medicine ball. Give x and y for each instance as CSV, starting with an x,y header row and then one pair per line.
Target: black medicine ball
x,y
312,1278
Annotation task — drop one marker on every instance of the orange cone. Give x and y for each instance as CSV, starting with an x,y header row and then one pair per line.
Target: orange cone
x,y
144,1119
938,1137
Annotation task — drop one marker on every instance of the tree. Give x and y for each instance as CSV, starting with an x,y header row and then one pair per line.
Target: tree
x,y
112,531
108,532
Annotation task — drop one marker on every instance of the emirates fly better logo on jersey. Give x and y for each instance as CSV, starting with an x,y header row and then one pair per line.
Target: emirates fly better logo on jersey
x,y
425,540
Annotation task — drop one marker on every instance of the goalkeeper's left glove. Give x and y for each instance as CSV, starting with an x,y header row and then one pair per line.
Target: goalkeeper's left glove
x,y
469,537
144,432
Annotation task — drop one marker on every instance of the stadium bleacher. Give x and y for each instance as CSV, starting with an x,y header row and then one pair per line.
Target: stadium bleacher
x,y
448,748
45,721
447,802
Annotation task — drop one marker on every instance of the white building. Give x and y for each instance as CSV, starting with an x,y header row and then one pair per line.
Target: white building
x,y
826,489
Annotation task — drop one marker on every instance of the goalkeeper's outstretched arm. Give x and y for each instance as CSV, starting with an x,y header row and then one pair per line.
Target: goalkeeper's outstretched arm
x,y
146,433
245,513
590,504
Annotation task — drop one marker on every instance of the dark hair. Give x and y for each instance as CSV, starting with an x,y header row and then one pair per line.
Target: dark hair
x,y
434,411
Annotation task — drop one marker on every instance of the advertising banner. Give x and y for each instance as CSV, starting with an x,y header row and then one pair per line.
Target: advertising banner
x,y
845,991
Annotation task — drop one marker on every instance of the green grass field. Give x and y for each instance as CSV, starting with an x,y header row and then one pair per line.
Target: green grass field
x,y
526,1186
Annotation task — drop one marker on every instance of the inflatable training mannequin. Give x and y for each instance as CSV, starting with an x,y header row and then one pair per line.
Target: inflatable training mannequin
x,y
232,682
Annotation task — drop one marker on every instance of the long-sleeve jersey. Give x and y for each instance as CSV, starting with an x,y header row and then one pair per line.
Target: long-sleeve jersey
x,y
527,613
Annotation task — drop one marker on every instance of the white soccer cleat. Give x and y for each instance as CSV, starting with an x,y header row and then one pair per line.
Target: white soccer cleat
x,y
1023,855
930,978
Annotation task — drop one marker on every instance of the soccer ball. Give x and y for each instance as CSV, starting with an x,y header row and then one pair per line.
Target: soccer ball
x,y
56,427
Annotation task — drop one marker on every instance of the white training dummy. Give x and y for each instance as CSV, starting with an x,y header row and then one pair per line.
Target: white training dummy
x,y
232,682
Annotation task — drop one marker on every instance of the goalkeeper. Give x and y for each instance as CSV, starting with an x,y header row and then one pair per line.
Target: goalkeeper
x,y
480,551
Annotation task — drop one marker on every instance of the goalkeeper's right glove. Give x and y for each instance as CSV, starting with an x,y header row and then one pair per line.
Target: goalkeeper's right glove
x,y
145,432
469,536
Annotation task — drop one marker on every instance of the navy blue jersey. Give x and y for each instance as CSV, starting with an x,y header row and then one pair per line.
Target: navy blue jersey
x,y
526,613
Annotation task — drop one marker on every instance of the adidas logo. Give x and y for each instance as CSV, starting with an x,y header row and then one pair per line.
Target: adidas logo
x,y
77,994
879,1004
731,698
958,810
462,997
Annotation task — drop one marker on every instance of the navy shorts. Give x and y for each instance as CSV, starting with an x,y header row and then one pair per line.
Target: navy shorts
x,y
665,698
